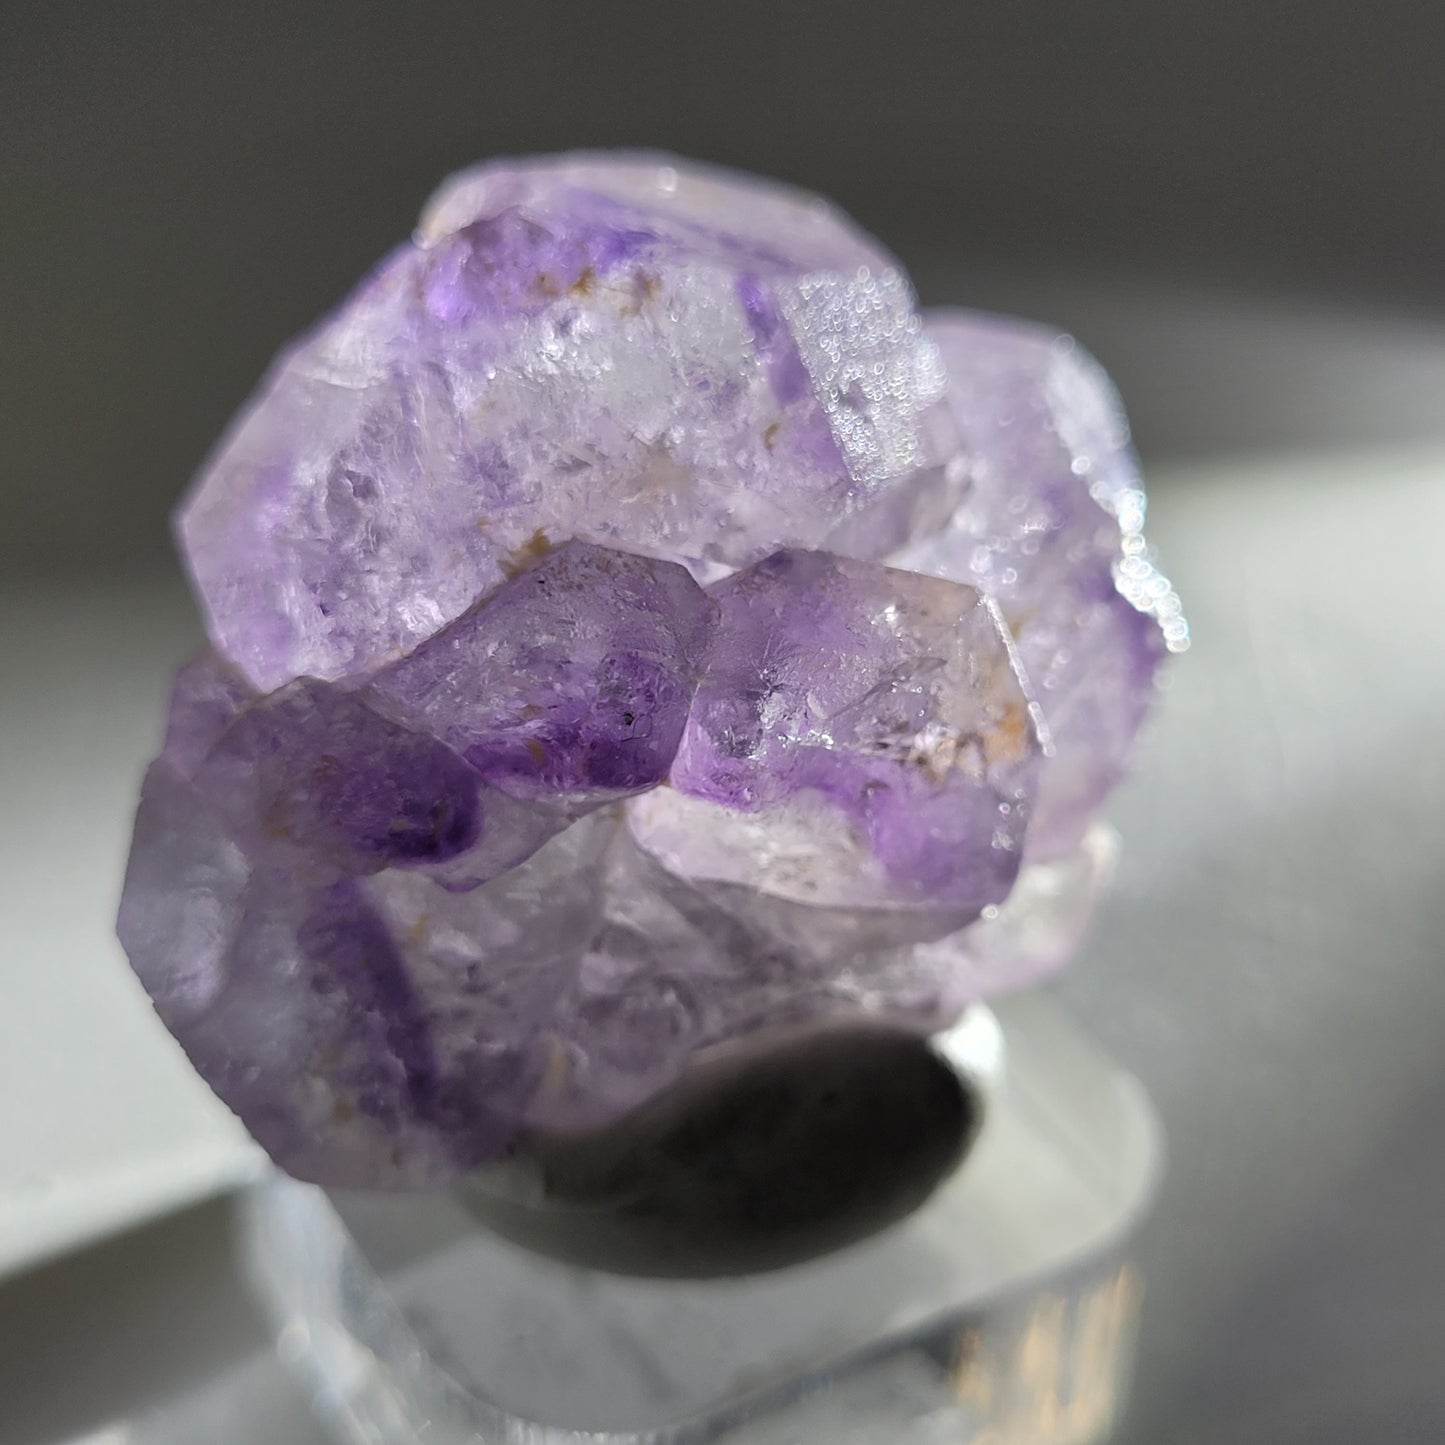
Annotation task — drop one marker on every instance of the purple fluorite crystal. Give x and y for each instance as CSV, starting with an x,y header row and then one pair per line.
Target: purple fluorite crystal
x,y
634,628
861,737
687,364
572,680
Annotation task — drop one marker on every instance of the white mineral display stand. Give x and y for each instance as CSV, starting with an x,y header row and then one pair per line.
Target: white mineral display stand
x,y
1000,1309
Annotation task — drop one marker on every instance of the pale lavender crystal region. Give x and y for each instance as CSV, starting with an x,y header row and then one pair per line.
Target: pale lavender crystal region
x,y
1050,525
635,629
668,360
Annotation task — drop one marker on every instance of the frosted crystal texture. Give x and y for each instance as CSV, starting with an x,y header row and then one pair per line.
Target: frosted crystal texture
x,y
701,367
634,629
1050,525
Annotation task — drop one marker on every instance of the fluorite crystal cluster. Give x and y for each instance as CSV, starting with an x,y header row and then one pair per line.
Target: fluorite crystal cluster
x,y
635,629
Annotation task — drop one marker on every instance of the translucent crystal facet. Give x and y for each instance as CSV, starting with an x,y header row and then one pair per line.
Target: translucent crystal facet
x,y
573,679
860,737
635,629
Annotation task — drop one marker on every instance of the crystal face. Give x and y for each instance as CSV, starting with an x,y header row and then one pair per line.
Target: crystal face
x,y
635,628
572,680
861,736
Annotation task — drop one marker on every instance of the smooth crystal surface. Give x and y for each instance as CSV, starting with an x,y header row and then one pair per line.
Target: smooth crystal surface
x,y
635,629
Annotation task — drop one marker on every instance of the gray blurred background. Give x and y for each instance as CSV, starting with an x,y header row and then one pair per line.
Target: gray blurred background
x,y
1238,204
184,185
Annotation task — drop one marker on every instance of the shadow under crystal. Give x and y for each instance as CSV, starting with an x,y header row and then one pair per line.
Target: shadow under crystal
x,y
753,1163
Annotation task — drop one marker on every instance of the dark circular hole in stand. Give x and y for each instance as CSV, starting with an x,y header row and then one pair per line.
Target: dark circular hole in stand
x,y
751,1165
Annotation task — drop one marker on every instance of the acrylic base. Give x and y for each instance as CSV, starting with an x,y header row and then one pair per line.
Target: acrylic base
x,y
1000,1309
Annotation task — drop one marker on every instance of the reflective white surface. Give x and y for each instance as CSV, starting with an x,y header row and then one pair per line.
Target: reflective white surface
x,y
102,1121
1272,959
